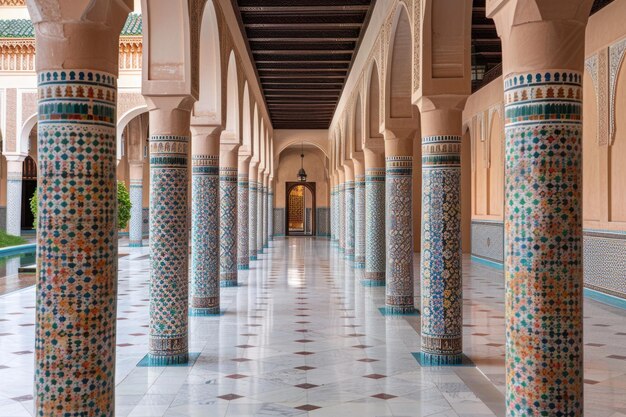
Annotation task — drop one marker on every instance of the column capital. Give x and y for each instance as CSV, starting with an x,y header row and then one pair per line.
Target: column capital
x,y
15,157
541,34
169,115
442,115
78,34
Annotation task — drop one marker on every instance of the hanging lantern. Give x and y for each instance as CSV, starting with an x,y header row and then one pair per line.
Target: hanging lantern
x,y
302,172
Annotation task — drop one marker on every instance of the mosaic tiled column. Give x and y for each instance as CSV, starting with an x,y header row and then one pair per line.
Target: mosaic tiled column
x,y
399,234
253,210
341,214
76,285
228,216
135,227
349,219
243,208
266,192
270,215
205,221
333,213
441,278
14,194
543,208
543,251
169,236
375,249
260,209
77,271
359,216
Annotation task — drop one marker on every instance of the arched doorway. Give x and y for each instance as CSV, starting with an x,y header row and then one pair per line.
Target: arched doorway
x,y
301,207
29,187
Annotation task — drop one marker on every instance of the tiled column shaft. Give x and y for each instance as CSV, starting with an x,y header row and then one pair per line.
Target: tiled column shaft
x,y
228,216
77,239
259,214
441,278
342,217
77,268
205,221
243,220
333,214
399,234
349,225
135,229
253,194
270,218
543,216
359,216
169,237
375,248
14,195
266,229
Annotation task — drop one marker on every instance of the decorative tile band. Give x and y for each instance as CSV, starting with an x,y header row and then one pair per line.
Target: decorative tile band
x,y
441,279
205,233
349,220
228,227
375,256
252,217
74,341
359,222
243,221
399,233
543,253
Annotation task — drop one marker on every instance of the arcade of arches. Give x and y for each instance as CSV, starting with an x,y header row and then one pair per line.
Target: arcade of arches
x,y
458,247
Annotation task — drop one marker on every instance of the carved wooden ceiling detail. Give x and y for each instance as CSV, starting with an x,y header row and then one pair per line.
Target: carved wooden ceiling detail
x,y
303,51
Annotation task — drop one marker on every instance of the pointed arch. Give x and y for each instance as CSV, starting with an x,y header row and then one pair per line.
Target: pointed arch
x,y
358,125
246,122
232,100
398,82
208,106
372,105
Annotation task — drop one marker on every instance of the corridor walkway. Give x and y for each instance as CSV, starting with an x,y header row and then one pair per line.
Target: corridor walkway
x,y
301,335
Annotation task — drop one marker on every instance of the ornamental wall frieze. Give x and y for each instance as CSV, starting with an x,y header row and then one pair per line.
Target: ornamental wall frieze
x,y
18,54
380,50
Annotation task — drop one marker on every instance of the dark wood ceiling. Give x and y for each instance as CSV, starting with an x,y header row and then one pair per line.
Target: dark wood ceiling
x,y
486,47
303,51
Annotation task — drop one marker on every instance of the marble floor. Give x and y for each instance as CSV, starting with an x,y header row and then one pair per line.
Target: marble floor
x,y
302,337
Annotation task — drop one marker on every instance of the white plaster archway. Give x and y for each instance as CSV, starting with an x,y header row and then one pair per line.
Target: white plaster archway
x,y
207,110
123,121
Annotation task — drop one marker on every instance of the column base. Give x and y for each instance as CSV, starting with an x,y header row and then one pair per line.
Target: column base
x,y
167,360
253,257
429,359
135,244
226,283
205,312
266,246
349,254
399,311
243,267
359,262
373,283
147,361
